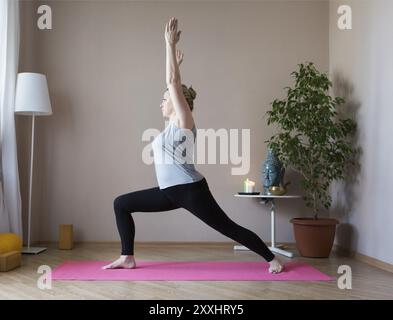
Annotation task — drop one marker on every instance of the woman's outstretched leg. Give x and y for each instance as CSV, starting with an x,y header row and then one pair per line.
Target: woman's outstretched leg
x,y
147,200
197,199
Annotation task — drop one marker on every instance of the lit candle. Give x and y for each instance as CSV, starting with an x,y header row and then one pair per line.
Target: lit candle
x,y
249,186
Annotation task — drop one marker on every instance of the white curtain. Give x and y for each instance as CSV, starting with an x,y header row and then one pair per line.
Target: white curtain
x,y
10,199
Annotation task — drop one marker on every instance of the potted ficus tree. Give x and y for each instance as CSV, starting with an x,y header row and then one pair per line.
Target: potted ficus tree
x,y
313,141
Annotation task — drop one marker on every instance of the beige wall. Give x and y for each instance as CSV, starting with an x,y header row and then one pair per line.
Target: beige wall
x,y
105,61
361,64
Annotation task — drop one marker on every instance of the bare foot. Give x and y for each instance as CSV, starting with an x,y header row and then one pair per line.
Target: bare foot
x,y
124,262
276,266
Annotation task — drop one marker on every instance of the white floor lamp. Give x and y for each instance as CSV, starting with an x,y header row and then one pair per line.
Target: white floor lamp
x,y
32,99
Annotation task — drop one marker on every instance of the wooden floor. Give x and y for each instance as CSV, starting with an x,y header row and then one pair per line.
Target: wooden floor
x,y
368,282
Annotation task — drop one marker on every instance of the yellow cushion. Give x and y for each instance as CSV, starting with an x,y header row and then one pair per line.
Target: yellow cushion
x,y
10,242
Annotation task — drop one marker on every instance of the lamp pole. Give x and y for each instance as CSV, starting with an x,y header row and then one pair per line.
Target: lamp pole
x,y
28,249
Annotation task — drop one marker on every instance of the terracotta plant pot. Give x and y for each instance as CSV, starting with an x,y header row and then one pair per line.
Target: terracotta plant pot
x,y
314,237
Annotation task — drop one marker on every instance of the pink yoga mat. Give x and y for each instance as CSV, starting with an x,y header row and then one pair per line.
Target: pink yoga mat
x,y
187,271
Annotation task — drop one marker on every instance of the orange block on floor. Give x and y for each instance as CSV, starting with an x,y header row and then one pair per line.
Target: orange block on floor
x,y
66,237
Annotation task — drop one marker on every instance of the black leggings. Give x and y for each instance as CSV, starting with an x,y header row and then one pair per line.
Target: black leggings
x,y
194,197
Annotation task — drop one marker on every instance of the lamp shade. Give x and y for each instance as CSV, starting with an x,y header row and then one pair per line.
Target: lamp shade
x,y
32,95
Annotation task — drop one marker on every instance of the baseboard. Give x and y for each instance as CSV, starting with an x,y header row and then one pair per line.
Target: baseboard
x,y
147,243
363,258
161,243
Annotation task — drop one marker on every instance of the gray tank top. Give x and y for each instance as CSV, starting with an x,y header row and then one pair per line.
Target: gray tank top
x,y
173,152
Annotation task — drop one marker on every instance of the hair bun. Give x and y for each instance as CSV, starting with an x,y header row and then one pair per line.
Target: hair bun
x,y
192,92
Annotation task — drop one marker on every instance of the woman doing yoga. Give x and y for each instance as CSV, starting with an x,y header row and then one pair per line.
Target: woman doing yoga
x,y
180,185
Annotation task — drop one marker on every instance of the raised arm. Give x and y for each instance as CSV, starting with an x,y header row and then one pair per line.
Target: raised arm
x,y
173,79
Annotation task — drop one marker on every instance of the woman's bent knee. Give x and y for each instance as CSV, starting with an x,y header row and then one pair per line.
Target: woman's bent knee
x,y
118,204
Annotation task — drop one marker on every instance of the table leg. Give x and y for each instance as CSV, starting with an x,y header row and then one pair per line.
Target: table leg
x,y
274,247
273,224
